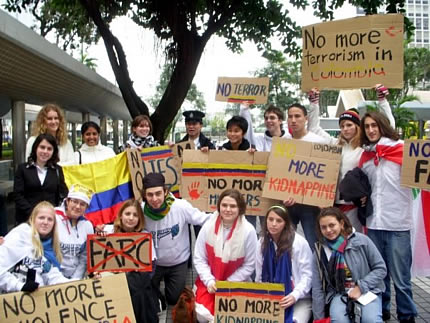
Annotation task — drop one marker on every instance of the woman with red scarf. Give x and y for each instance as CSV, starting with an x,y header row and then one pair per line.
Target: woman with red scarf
x,y
225,250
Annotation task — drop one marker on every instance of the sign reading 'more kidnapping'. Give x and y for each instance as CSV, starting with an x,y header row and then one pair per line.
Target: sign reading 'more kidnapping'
x,y
416,164
353,53
303,170
240,89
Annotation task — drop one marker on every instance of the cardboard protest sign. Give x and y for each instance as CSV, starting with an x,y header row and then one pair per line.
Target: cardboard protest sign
x,y
135,166
353,53
119,252
162,160
303,170
416,164
92,300
248,302
206,175
240,89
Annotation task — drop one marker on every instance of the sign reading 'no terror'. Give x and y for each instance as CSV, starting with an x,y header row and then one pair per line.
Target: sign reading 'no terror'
x,y
353,53
240,89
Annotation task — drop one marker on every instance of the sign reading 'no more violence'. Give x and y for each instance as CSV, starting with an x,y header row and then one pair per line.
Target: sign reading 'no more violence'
x,y
119,252
92,300
353,53
303,170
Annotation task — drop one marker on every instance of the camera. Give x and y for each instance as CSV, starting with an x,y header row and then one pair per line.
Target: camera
x,y
353,310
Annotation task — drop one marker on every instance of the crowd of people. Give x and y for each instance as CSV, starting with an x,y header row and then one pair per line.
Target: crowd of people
x,y
352,249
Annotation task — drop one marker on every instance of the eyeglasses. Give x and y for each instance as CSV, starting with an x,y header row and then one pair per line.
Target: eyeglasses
x,y
78,202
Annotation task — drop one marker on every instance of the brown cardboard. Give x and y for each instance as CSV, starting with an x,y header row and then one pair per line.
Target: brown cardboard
x,y
416,164
206,175
119,252
240,89
135,166
303,170
248,302
353,53
91,300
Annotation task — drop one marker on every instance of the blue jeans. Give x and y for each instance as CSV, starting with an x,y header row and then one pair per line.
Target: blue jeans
x,y
307,215
395,248
371,313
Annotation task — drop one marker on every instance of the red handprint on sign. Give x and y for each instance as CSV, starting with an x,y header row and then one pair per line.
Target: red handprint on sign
x,y
193,191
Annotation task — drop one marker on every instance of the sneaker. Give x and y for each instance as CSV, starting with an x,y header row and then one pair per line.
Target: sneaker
x,y
386,315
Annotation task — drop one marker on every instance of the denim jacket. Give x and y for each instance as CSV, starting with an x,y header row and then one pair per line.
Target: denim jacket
x,y
365,263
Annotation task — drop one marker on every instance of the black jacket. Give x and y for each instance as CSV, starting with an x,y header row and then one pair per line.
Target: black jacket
x,y
244,145
204,142
353,187
28,191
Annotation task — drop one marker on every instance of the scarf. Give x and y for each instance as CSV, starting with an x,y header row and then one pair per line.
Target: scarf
x,y
48,252
336,264
278,271
141,142
162,211
224,257
385,148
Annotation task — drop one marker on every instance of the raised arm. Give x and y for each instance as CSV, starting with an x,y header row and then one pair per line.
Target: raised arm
x,y
384,106
246,113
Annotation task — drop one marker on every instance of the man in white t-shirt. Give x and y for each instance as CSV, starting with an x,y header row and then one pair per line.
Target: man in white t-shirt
x,y
305,214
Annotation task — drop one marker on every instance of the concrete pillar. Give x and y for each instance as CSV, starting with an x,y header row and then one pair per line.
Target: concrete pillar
x,y
74,135
124,131
85,117
115,126
18,133
103,128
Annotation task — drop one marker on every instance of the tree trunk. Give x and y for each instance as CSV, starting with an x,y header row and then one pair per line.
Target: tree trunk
x,y
189,54
117,60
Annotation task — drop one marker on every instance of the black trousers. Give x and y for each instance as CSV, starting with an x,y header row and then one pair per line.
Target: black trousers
x,y
174,280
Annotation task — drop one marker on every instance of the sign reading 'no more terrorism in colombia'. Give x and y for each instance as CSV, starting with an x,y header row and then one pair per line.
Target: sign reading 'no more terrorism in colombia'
x,y
353,53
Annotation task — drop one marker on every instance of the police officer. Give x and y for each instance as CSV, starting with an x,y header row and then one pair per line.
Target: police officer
x,y
193,124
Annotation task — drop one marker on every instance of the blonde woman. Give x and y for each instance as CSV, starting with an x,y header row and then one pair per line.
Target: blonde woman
x,y
50,119
30,255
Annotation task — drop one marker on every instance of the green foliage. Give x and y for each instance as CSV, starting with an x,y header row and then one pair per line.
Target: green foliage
x,y
183,28
90,62
284,86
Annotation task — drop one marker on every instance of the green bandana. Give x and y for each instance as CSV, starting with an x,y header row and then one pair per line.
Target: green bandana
x,y
160,213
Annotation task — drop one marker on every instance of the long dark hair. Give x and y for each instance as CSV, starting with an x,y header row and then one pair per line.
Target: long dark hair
x,y
89,124
383,124
51,140
286,239
340,217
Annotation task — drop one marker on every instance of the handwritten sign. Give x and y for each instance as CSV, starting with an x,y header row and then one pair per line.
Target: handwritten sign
x,y
206,175
416,164
248,302
91,300
239,89
303,170
119,252
162,160
353,53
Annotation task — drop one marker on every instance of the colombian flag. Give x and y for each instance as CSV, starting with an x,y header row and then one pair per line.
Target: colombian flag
x,y
110,180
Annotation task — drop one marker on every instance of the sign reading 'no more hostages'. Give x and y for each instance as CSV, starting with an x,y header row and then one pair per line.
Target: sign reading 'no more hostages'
x,y
303,170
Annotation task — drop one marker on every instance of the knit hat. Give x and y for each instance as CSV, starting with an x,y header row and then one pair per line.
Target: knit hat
x,y
80,192
351,115
153,180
